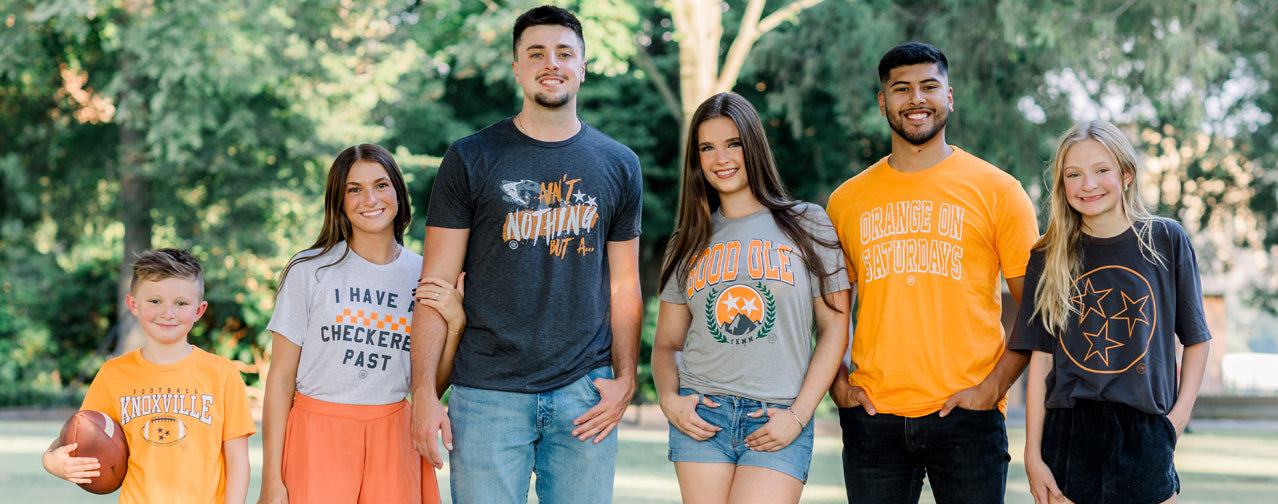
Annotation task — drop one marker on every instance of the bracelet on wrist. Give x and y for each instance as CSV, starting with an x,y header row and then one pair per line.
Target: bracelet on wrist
x,y
796,418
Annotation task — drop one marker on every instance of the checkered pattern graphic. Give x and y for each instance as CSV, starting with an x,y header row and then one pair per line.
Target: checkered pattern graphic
x,y
373,319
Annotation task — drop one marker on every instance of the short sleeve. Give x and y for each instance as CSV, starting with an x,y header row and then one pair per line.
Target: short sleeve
x,y
1017,229
239,419
98,398
835,210
672,293
1191,319
1028,333
818,223
451,205
292,304
628,215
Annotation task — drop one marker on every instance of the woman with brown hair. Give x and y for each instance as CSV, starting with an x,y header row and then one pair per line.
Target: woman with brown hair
x,y
748,273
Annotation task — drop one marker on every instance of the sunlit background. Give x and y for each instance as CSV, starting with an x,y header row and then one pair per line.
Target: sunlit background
x,y
210,125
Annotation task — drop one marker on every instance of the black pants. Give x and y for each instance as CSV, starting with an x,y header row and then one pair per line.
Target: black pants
x,y
963,455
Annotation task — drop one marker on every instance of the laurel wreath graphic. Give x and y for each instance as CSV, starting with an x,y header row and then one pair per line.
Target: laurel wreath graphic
x,y
711,322
770,314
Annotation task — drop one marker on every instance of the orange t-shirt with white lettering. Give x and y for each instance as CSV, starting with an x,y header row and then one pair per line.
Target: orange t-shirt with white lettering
x,y
925,250
175,418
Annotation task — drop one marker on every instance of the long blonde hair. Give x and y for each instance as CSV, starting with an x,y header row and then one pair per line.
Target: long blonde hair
x,y
1062,252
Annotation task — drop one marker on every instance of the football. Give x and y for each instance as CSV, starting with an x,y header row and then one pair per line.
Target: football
x,y
100,437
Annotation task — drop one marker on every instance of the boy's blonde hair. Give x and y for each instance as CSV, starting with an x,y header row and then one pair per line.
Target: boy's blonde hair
x,y
1062,252
160,264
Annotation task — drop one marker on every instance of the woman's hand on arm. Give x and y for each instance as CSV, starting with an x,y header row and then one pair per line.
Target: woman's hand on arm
x,y
831,343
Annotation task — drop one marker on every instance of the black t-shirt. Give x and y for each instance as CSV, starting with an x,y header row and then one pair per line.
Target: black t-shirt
x,y
1119,347
540,215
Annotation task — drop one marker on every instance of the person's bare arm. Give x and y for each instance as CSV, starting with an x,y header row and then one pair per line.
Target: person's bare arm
x,y
1193,363
626,310
442,257
827,358
59,462
236,457
843,393
446,298
673,321
1042,482
986,395
281,386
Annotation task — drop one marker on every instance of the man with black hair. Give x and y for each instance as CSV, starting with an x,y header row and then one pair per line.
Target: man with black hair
x,y
926,231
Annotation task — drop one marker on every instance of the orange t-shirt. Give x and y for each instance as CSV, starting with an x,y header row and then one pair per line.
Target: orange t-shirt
x,y
925,250
175,418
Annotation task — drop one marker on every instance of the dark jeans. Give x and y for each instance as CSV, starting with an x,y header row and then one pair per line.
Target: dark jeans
x,y
963,455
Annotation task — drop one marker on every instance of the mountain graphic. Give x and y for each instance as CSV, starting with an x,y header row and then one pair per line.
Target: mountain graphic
x,y
740,324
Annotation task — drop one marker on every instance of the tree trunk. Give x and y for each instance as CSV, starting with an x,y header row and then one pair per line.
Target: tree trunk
x,y
135,214
699,28
135,201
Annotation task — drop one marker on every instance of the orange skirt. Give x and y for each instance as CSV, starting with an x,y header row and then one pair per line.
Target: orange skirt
x,y
354,453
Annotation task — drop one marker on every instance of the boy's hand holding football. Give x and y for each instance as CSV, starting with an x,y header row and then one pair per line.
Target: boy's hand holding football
x,y
80,470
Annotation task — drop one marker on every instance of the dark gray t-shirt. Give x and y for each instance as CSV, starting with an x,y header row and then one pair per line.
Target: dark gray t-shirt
x,y
1119,347
540,215
751,298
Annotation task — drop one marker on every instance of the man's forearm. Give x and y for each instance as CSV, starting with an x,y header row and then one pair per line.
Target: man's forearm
x,y
1007,370
429,332
627,321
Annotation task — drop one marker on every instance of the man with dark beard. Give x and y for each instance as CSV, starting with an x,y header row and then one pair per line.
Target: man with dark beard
x,y
542,211
926,231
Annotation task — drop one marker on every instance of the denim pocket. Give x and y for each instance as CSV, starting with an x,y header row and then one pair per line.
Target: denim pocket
x,y
600,372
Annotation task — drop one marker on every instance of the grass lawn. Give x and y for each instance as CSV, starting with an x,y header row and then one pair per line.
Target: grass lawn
x,y
1219,463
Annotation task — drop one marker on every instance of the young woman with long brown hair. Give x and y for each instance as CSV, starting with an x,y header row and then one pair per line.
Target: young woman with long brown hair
x,y
335,423
748,273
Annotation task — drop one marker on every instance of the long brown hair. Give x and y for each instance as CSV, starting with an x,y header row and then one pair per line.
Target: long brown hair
x,y
698,200
1062,252
337,227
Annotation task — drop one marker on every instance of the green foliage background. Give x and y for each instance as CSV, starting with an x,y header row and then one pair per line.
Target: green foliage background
x,y
225,115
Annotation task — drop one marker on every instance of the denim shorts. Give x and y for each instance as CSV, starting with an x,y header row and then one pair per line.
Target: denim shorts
x,y
1110,452
729,444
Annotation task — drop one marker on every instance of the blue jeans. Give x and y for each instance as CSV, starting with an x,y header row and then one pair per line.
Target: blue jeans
x,y
963,455
501,438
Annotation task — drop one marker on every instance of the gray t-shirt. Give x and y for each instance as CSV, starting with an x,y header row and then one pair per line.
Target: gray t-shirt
x,y
352,320
540,216
751,299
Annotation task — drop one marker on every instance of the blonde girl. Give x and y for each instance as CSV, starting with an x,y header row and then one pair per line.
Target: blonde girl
x,y
1108,291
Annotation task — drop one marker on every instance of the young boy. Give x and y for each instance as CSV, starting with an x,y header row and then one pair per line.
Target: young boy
x,y
184,412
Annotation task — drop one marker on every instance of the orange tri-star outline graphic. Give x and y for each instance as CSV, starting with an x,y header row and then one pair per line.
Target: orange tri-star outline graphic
x,y
1092,348
1093,339
1088,294
1139,316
